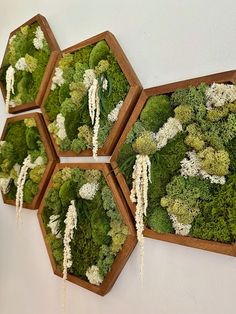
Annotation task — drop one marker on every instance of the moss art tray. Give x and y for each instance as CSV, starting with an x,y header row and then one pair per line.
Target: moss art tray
x,y
27,64
86,225
22,136
184,134
90,97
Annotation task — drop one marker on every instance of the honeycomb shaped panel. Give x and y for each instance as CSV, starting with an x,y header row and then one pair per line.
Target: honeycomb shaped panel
x,y
196,198
32,62
25,135
97,60
104,236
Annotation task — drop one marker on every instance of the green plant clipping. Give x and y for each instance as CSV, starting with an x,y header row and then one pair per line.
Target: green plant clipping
x,y
98,230
24,65
22,140
189,136
87,93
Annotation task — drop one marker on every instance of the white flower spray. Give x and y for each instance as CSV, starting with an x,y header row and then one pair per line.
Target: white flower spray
x,y
9,85
39,38
220,94
94,112
139,195
57,79
70,226
20,185
113,115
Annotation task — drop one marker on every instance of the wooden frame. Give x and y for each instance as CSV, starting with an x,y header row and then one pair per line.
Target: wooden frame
x,y
52,157
130,100
53,45
128,246
213,246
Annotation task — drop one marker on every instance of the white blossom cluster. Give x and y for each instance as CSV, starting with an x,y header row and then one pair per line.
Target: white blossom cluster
x,y
94,276
57,79
21,64
191,167
5,184
139,195
220,94
167,132
88,190
70,225
181,229
54,225
27,164
89,76
39,38
94,112
113,115
104,84
60,124
10,78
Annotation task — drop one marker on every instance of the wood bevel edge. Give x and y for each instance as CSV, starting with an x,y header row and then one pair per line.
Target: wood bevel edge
x,y
220,77
132,119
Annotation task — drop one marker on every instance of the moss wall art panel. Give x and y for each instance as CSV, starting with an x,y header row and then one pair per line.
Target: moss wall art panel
x,y
86,225
27,159
175,163
27,64
90,96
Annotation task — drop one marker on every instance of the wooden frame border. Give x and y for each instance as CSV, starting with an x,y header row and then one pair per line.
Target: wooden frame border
x,y
213,246
52,157
130,100
128,246
53,45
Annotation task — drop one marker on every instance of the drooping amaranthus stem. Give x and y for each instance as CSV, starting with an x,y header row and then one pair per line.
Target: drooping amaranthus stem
x,y
139,195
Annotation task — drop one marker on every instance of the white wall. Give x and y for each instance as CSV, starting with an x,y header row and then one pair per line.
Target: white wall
x,y
165,41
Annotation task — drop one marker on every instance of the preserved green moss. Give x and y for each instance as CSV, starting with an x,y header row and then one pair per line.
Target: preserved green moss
x,y
156,112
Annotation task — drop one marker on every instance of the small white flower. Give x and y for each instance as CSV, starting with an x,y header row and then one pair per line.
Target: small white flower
x,y
60,122
88,190
57,79
89,76
191,167
167,132
10,79
5,184
39,38
21,65
94,276
113,115
104,84
181,229
54,224
220,94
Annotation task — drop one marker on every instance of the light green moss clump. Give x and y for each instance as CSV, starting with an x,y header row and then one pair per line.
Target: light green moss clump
x,y
145,144
214,162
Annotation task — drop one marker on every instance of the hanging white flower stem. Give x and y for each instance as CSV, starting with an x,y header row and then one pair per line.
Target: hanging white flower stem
x,y
20,185
9,85
139,195
70,223
94,112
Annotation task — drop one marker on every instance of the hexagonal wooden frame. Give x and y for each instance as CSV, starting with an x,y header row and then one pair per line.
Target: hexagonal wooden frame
x,y
128,246
52,157
129,102
213,246
53,45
